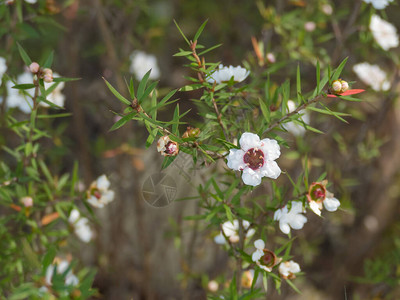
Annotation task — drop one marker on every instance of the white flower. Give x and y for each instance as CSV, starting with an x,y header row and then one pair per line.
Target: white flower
x,y
141,63
292,218
318,197
327,9
255,158
310,26
372,75
224,74
56,96
385,34
296,128
288,269
16,98
3,67
231,231
81,227
264,258
98,194
379,4
62,266
31,1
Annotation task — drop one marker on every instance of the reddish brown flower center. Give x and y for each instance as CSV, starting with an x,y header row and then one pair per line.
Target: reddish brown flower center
x,y
268,259
171,148
319,193
254,158
97,194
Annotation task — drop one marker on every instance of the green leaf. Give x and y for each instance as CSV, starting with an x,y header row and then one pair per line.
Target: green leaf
x,y
183,53
121,122
131,89
209,49
349,98
298,84
181,32
24,86
116,94
167,161
175,129
25,57
49,60
318,75
293,286
147,91
48,258
200,30
228,213
142,85
265,111
65,79
339,69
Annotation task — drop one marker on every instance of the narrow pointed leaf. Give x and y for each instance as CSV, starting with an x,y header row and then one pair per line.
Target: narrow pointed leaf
x,y
116,93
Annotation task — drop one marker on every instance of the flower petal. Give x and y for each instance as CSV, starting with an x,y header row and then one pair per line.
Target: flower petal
x,y
285,228
270,148
249,140
270,169
235,159
259,244
220,239
315,208
257,255
251,177
331,204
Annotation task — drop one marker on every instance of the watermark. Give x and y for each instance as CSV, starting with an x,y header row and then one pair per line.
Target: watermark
x,y
159,189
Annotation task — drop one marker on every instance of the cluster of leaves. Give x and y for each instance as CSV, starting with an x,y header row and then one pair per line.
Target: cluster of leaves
x,y
32,234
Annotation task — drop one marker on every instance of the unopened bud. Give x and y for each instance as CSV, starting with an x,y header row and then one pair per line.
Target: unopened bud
x,y
27,201
191,132
34,67
213,286
345,86
336,86
310,26
48,78
271,57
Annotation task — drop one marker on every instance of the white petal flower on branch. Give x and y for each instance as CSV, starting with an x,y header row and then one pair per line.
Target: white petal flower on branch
x,y
264,258
292,218
288,269
61,266
372,75
231,231
385,34
294,127
99,194
256,158
18,98
224,74
141,63
318,197
81,226
379,4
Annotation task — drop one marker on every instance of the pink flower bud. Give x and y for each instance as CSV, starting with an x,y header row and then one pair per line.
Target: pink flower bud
x,y
271,57
310,26
48,78
27,201
345,86
34,67
336,86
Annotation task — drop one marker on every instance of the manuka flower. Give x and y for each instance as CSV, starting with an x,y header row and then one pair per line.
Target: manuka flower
x,y
288,269
61,266
385,34
3,67
256,158
224,74
318,195
80,225
56,96
292,218
21,99
372,75
379,4
98,194
167,147
231,231
264,258
141,63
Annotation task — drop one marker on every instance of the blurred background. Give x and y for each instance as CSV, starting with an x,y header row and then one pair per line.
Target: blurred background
x,y
147,252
